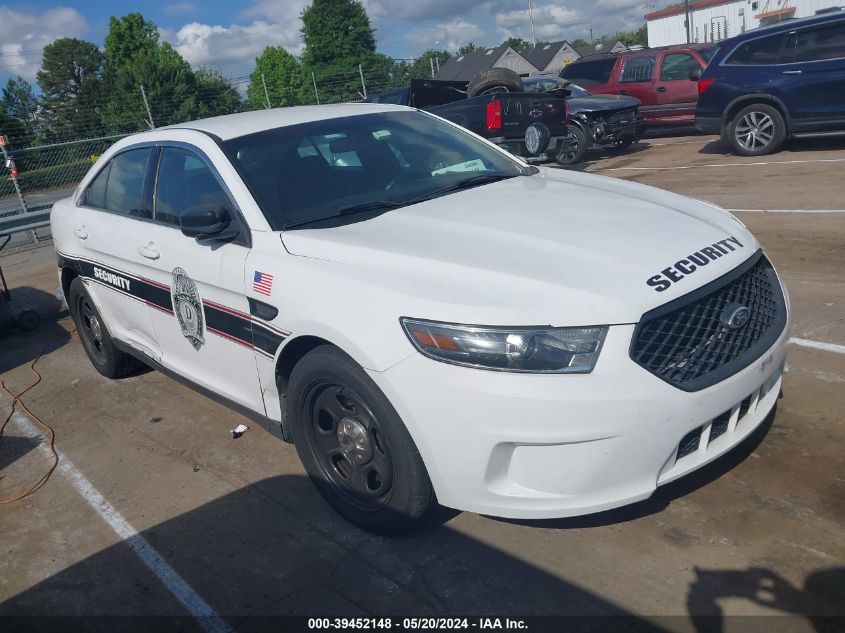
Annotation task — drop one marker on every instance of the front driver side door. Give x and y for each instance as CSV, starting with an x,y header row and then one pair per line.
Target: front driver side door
x,y
205,333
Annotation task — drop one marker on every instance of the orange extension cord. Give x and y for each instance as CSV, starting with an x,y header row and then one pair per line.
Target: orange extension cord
x,y
51,434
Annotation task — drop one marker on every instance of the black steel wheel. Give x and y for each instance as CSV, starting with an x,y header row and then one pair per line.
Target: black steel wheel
x,y
96,340
353,444
28,320
577,149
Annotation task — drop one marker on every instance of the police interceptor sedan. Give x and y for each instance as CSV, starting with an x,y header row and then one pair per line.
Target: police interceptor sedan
x,y
427,318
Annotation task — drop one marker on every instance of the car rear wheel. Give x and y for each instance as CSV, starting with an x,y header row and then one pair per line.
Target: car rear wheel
x,y
354,446
577,150
757,130
96,340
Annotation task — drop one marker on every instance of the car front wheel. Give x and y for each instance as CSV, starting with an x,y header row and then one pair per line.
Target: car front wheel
x,y
354,446
757,130
577,149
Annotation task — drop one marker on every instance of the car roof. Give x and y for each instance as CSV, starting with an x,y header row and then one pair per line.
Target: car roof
x,y
695,46
834,15
231,126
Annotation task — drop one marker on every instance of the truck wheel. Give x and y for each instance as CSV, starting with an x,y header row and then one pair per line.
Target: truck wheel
x,y
757,130
494,80
577,149
354,446
96,340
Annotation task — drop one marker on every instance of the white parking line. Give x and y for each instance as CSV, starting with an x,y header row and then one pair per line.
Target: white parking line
x,y
787,210
827,347
181,590
716,165
699,141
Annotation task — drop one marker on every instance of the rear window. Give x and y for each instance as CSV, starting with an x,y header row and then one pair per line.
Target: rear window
x,y
762,51
638,69
707,54
815,45
587,73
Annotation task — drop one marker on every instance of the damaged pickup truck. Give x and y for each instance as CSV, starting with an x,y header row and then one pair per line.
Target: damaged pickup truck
x,y
540,119
611,122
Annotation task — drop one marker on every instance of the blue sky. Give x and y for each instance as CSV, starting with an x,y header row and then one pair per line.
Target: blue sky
x,y
228,36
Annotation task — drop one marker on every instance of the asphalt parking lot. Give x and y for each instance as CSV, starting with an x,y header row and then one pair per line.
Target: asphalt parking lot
x,y
150,479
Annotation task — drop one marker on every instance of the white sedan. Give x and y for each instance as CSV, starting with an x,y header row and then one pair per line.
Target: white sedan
x,y
427,318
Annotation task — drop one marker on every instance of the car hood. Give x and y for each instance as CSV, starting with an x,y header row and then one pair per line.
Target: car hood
x,y
601,102
563,247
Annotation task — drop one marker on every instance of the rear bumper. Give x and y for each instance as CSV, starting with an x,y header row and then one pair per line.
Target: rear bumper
x,y
708,125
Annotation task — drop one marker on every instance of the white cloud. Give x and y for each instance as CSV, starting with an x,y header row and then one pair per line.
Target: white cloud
x,y
231,49
23,36
449,35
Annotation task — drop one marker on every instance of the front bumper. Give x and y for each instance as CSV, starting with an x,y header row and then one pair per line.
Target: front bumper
x,y
546,446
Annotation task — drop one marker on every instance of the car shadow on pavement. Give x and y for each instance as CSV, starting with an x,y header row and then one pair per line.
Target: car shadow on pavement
x,y
20,348
821,600
274,548
665,494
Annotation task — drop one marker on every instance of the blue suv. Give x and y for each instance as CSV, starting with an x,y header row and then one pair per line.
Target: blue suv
x,y
774,83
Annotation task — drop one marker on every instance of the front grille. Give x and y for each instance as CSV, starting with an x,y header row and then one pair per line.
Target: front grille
x,y
686,342
626,115
689,443
720,425
744,406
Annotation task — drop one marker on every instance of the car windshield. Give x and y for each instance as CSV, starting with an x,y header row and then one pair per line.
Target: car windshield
x,y
577,91
317,174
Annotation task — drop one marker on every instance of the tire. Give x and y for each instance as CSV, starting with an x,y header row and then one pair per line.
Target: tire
x,y
757,130
354,446
579,151
96,340
494,80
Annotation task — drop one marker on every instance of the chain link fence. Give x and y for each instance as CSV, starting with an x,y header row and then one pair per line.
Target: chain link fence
x,y
46,173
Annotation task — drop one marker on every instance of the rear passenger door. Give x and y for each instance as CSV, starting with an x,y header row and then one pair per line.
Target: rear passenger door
x,y
204,328
810,78
637,80
676,95
112,211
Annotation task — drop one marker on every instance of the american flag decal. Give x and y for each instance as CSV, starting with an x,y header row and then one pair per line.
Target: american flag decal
x,y
262,283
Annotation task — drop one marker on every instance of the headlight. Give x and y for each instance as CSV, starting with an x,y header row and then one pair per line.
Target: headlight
x,y
571,350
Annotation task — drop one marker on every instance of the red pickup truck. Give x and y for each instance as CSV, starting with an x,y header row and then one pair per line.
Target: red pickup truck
x,y
658,77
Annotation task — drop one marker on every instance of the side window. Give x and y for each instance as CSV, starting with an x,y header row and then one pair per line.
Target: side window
x,y
125,193
185,182
816,45
95,194
589,73
678,66
761,51
638,69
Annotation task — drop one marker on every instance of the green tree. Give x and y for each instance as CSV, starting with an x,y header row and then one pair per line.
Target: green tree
x,y
338,38
518,44
284,77
633,38
579,42
21,104
70,79
469,48
129,36
421,68
214,94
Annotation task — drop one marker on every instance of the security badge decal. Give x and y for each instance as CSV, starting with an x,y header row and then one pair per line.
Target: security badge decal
x,y
187,306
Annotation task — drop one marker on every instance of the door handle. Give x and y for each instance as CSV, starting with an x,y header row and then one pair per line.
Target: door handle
x,y
793,72
149,250
81,233
623,92
662,89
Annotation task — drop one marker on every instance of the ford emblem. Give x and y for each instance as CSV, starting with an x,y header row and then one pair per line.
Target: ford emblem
x,y
734,316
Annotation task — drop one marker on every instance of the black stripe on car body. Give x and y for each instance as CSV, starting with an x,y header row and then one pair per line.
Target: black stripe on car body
x,y
229,323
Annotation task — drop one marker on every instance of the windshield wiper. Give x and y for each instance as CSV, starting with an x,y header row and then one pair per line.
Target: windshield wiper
x,y
380,205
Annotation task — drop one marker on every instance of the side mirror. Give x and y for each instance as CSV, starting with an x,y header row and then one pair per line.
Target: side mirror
x,y
695,74
206,221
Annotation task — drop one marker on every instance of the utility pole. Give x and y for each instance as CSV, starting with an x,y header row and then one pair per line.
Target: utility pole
x,y
150,121
266,94
363,85
431,59
437,64
531,17
316,94
686,20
